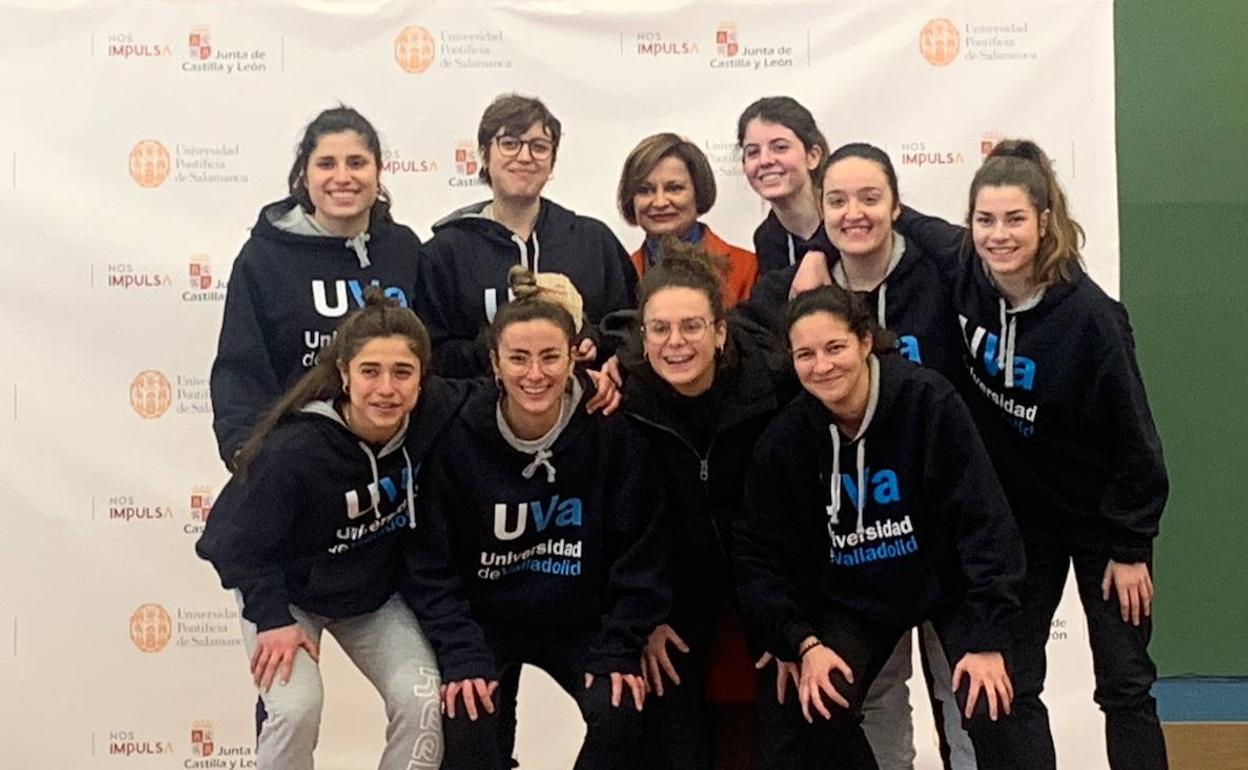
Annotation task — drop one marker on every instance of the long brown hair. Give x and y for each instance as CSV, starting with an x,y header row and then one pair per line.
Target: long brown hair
x,y
1021,163
381,316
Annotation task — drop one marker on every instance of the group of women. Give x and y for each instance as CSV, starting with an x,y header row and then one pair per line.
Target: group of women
x,y
687,479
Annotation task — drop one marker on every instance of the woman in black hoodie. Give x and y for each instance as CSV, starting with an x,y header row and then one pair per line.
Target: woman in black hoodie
x,y
704,389
1059,400
871,506
538,542
308,534
307,263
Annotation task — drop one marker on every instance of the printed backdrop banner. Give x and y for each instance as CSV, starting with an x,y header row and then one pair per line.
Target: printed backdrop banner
x,y
141,138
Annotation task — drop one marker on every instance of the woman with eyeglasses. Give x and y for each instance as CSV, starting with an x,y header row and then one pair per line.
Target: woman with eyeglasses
x,y
538,542
666,184
463,271
704,390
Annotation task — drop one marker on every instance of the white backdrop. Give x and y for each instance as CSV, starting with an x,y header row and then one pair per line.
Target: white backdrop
x,y
137,142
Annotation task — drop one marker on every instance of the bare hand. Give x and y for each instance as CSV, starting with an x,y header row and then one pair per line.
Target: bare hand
x,y
785,672
275,654
812,272
472,690
585,350
987,673
612,369
606,396
655,660
619,681
1135,589
816,681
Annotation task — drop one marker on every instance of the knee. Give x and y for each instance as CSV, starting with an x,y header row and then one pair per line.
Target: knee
x,y
292,707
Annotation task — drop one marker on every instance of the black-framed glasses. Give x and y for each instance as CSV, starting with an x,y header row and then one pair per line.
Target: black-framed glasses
x,y
539,148
691,329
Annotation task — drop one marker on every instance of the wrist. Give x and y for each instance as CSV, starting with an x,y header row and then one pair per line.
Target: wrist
x,y
808,644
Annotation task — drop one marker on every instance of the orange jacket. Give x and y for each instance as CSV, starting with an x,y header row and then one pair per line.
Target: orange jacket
x,y
742,266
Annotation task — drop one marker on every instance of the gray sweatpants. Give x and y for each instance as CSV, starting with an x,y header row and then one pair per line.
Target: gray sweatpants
x,y
388,648
886,711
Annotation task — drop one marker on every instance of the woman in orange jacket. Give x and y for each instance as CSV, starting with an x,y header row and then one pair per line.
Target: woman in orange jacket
x,y
666,184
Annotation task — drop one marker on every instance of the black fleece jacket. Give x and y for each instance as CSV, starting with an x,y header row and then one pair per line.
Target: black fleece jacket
x,y
287,294
317,518
463,276
495,548
1061,406
777,248
910,526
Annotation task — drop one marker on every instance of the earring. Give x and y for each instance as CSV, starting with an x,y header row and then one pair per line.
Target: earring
x,y
346,388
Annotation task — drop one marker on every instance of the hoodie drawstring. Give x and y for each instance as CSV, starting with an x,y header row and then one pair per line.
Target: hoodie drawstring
x,y
540,458
792,250
374,489
1005,350
524,251
411,490
881,306
834,509
361,250
862,478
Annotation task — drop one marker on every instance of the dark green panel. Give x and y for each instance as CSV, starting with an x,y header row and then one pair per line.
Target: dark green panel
x,y
1182,103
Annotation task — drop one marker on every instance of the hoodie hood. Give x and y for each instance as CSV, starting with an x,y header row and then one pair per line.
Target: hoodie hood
x,y
836,267
554,223
288,222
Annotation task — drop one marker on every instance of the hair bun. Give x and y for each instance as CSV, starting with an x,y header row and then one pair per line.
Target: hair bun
x,y
375,296
1019,148
552,288
522,282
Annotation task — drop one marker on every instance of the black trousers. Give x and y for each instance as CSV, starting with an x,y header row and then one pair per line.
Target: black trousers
x,y
1123,670
613,734
840,742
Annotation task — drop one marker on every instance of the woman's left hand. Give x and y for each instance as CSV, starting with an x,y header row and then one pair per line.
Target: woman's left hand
x,y
635,684
987,673
812,272
606,396
1135,589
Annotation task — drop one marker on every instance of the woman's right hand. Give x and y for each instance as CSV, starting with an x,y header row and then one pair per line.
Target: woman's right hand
x,y
817,665
275,654
812,272
471,690
655,659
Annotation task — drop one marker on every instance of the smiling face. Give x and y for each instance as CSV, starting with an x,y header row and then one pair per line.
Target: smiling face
x,y
342,179
776,164
859,207
534,362
382,383
831,362
1006,230
681,338
666,203
521,176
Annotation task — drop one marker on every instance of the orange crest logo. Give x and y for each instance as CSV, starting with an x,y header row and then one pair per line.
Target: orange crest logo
x,y
200,272
466,162
201,738
939,42
197,43
150,394
201,503
414,49
149,163
726,39
150,628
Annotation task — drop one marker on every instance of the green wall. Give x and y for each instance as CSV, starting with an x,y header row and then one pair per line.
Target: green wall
x,y
1182,102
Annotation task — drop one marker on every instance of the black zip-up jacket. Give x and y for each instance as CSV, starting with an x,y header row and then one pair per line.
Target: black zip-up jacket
x,y
915,302
1060,404
317,518
910,526
287,295
701,457
777,248
495,548
463,276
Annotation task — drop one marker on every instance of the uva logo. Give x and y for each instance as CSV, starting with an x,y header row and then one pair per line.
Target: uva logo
x,y
372,493
882,486
560,513
984,345
347,294
908,347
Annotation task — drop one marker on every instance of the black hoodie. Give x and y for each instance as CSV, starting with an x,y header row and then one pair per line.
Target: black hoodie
x,y
1061,405
317,518
500,545
913,525
463,276
287,294
702,448
777,248
913,300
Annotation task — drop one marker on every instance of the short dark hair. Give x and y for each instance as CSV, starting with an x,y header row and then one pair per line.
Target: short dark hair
x,y
866,152
647,154
788,112
513,114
